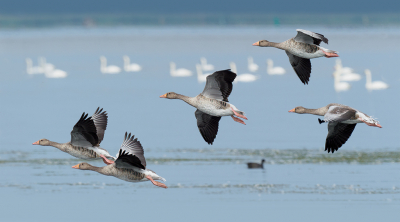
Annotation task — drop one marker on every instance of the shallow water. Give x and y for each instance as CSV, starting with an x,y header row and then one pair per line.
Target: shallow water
x,y
300,180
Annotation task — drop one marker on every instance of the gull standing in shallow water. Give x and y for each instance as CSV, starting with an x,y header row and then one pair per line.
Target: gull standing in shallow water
x,y
341,121
130,164
300,50
212,103
86,137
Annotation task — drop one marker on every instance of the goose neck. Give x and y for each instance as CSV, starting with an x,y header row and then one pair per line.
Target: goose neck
x,y
189,100
319,112
60,146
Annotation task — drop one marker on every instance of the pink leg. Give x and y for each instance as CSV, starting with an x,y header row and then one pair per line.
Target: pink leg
x,y
371,124
330,54
157,183
238,120
106,161
238,115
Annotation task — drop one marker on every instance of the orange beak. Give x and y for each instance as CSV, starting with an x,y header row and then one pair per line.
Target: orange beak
x,y
292,110
257,43
76,166
163,96
36,143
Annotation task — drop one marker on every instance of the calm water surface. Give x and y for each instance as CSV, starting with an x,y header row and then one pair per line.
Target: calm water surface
x,y
300,181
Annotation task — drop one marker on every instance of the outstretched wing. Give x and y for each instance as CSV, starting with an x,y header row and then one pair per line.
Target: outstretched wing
x,y
219,85
84,132
338,134
208,126
128,161
309,37
133,147
301,66
100,119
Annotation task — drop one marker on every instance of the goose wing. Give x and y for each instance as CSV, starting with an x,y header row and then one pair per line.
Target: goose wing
x,y
219,85
338,134
208,125
309,37
100,119
339,114
131,153
84,133
301,66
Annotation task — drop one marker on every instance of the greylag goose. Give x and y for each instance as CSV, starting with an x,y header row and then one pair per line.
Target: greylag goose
x,y
341,121
256,165
130,164
300,50
212,103
86,137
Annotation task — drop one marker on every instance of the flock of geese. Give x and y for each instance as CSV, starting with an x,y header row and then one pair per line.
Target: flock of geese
x,y
211,104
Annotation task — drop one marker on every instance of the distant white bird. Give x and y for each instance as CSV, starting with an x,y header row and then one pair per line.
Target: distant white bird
x,y
50,70
55,73
245,77
179,72
108,69
338,85
346,73
200,76
375,85
130,67
204,65
31,70
271,70
251,65
45,65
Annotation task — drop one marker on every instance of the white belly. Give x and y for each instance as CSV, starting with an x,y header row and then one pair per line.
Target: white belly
x,y
307,55
210,109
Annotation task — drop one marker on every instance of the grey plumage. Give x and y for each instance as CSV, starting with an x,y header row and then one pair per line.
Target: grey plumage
x,y
208,125
309,37
100,119
301,66
339,113
84,132
134,148
219,85
338,134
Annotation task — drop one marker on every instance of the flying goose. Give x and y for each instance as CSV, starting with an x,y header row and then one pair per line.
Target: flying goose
x,y
300,50
341,121
130,164
212,103
86,137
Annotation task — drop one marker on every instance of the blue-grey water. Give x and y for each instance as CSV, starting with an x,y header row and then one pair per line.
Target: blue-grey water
x,y
300,181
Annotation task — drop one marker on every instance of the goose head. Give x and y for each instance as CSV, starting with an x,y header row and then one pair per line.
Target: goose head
x,y
42,142
262,43
170,95
82,166
298,109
